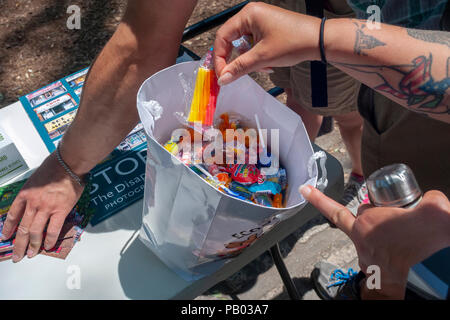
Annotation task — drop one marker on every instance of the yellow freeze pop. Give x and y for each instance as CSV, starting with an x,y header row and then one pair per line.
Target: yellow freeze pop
x,y
195,105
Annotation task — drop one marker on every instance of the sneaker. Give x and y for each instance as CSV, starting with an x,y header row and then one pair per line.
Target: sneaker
x,y
355,193
331,283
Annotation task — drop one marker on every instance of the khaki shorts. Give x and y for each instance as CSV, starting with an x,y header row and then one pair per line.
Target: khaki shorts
x,y
342,89
393,134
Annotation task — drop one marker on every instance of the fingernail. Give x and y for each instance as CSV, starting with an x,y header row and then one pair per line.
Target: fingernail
x,y
225,79
30,253
305,190
16,258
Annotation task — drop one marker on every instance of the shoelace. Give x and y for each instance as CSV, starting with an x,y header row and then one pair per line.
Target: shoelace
x,y
350,191
341,277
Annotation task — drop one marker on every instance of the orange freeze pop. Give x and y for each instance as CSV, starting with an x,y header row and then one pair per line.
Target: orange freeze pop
x,y
195,104
206,85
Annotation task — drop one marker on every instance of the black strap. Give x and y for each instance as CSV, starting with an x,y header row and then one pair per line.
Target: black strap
x,y
445,19
319,91
315,7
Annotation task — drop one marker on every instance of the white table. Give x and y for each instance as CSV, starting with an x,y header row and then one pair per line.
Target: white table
x,y
111,261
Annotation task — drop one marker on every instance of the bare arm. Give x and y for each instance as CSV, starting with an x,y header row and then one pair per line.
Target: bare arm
x,y
411,67
147,40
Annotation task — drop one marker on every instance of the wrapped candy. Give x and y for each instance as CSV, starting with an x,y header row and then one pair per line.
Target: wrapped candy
x,y
278,200
244,173
268,187
228,120
241,190
263,199
223,177
172,147
246,181
186,158
280,177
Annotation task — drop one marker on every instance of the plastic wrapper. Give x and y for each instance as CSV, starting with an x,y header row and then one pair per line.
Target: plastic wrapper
x,y
202,91
201,95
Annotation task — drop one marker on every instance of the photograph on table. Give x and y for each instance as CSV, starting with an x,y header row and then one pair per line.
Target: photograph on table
x,y
58,126
46,93
70,233
7,195
77,79
57,141
54,107
6,255
135,138
78,92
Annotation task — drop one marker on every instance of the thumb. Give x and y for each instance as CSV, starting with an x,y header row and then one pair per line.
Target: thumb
x,y
242,65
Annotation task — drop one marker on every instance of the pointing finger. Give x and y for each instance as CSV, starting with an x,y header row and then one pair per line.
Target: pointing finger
x,y
333,211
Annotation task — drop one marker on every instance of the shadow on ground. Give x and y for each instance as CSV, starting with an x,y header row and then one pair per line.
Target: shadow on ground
x,y
246,278
303,285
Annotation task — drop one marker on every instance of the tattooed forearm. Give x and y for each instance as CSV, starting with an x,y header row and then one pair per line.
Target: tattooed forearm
x,y
413,83
441,37
364,41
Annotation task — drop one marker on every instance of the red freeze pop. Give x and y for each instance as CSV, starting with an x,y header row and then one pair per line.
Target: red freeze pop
x,y
211,107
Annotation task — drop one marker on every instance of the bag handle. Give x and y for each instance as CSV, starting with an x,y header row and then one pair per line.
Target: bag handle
x,y
149,112
322,182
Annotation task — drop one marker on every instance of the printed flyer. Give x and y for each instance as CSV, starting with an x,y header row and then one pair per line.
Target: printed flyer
x,y
53,107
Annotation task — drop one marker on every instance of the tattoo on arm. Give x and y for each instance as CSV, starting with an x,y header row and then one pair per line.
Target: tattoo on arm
x,y
441,37
364,41
416,84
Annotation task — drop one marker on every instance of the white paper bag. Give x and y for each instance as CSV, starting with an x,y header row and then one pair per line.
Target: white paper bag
x,y
190,225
